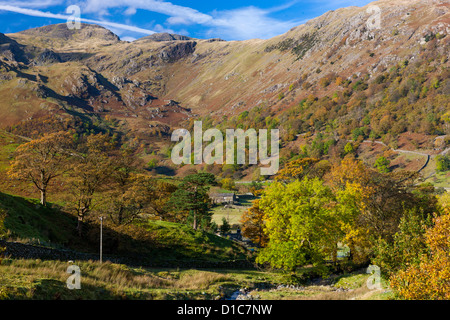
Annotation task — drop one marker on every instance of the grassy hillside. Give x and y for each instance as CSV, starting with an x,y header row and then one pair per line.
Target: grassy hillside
x,y
27,220
147,242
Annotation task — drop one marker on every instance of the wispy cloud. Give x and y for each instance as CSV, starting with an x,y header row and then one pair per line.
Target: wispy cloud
x,y
38,13
33,4
162,7
238,24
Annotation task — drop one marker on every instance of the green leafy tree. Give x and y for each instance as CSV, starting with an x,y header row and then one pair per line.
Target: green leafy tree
x,y
301,224
382,164
349,148
428,279
191,202
442,163
407,246
225,227
256,188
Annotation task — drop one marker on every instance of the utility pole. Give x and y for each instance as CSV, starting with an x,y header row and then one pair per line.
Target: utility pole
x,y
101,239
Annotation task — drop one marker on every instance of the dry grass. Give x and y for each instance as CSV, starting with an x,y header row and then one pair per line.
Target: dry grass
x,y
200,280
106,275
20,278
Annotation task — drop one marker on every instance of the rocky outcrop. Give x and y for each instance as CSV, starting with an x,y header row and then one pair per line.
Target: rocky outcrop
x,y
165,37
10,50
47,57
175,52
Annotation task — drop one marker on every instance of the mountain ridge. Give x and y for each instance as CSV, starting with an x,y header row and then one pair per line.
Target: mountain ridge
x,y
156,86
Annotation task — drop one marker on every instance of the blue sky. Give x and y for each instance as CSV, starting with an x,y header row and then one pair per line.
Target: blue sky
x,y
132,19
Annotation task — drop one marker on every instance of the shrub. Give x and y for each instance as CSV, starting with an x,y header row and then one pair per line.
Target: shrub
x,y
324,82
382,164
228,184
152,164
442,163
349,148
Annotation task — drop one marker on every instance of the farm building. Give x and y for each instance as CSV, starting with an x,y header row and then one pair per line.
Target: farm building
x,y
227,198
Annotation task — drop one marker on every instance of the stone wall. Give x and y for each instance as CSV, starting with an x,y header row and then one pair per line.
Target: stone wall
x,y
25,251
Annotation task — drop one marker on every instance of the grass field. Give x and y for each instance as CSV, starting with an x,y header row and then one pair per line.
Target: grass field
x,y
232,213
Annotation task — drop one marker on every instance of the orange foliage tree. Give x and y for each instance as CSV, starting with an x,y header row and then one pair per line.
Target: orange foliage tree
x,y
430,279
253,225
377,202
297,169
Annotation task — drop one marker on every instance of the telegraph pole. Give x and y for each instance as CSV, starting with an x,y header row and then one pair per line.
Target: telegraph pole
x,y
101,239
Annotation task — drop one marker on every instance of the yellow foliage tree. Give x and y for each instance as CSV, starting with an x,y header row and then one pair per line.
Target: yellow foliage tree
x,y
297,169
42,160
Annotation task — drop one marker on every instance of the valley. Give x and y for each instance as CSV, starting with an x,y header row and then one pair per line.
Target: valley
x,y
363,115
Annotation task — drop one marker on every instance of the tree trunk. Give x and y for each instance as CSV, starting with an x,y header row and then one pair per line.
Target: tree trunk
x,y
195,221
260,235
44,197
80,226
335,251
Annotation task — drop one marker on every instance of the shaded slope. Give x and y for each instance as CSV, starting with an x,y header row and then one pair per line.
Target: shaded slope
x,y
154,243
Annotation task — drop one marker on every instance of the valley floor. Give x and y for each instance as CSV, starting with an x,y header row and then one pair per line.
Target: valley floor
x,y
48,280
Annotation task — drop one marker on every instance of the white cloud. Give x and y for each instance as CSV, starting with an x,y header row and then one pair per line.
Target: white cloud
x,y
130,11
37,13
159,28
166,8
129,39
178,21
248,23
236,24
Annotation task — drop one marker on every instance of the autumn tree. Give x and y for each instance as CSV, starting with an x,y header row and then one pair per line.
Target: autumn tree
x,y
40,161
297,169
2,231
123,203
138,194
91,172
428,279
2,221
378,201
159,194
255,188
253,224
228,184
126,194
